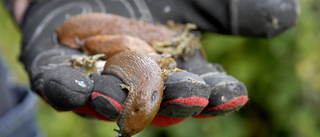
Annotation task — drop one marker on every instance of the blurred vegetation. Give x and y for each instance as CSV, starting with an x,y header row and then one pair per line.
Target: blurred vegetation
x,y
282,75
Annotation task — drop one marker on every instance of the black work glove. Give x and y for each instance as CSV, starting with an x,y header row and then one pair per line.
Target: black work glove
x,y
64,88
204,91
227,94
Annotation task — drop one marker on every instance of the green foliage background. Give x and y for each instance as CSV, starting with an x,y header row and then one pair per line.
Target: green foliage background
x,y
282,75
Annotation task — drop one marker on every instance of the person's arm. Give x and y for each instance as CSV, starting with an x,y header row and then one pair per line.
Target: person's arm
x,y
259,18
17,9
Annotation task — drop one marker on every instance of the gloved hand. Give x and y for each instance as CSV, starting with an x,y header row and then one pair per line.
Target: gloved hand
x,y
64,88
209,94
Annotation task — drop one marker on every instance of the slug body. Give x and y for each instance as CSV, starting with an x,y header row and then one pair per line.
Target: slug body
x,y
113,44
85,25
145,81
110,45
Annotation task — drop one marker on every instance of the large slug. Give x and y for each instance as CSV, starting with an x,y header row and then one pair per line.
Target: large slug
x,y
82,26
113,44
145,81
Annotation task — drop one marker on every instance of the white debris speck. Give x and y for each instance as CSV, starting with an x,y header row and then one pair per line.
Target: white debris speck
x,y
223,99
67,16
275,22
99,65
167,9
81,83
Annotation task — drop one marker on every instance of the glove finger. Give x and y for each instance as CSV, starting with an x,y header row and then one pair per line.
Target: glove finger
x,y
65,88
185,95
227,95
108,96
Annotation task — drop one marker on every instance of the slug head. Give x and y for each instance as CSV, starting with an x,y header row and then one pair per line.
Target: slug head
x,y
144,106
145,79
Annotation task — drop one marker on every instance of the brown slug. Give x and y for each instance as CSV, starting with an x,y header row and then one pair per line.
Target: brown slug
x,y
127,47
146,84
113,44
82,26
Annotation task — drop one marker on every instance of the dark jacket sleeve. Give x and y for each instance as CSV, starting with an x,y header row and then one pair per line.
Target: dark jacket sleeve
x,y
261,18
